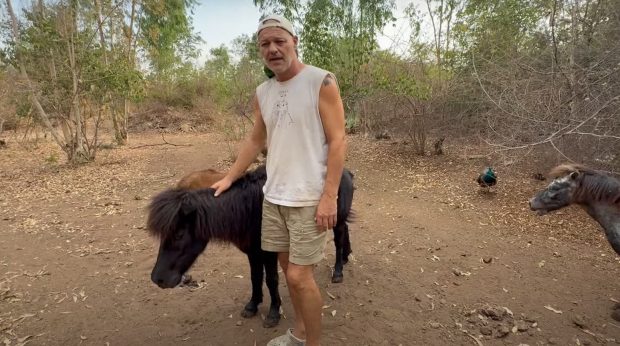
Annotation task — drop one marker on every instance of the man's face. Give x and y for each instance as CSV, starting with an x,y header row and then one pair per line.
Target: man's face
x,y
277,48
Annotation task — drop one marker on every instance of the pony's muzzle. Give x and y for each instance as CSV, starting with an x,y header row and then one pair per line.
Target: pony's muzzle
x,y
166,281
534,207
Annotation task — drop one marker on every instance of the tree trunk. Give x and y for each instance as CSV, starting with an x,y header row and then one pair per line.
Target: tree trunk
x,y
22,69
100,29
79,153
573,69
114,114
122,133
436,38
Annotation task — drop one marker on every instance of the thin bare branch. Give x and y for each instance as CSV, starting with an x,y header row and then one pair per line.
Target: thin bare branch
x,y
164,143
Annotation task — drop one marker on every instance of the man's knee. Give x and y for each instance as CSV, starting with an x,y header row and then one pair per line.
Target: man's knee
x,y
300,277
283,259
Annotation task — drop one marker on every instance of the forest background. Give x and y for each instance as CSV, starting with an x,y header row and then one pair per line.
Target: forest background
x,y
514,78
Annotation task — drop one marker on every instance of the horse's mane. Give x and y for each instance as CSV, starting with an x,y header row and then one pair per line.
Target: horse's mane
x,y
568,168
222,218
593,185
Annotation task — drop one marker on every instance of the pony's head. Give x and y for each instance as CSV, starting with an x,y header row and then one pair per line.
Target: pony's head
x,y
575,183
566,188
558,194
173,218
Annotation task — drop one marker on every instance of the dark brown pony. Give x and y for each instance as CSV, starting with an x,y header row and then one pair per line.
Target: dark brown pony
x,y
203,179
598,193
186,220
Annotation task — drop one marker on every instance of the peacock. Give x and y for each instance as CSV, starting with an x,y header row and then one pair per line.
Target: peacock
x,y
487,178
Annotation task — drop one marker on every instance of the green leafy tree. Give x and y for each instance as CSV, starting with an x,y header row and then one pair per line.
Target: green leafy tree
x,y
70,75
338,35
167,35
219,71
442,15
496,29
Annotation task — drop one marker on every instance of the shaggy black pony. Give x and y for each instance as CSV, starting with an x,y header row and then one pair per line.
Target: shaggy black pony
x,y
185,221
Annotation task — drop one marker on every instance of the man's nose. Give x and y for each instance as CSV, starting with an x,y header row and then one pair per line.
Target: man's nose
x,y
272,49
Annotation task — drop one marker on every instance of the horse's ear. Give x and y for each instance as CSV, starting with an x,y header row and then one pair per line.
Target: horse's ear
x,y
574,175
188,205
187,209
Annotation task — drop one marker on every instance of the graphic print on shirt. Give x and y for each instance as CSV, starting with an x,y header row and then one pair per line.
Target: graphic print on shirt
x,y
281,109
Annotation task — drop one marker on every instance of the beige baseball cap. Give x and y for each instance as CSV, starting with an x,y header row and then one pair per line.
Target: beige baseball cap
x,y
275,20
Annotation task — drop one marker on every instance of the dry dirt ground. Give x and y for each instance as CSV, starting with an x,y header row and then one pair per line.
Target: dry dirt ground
x,y
435,262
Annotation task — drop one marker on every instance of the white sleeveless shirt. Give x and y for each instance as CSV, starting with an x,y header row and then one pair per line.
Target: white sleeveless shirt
x,y
297,148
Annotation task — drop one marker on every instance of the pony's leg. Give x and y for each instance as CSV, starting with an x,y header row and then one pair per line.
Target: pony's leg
x,y
270,260
337,276
256,273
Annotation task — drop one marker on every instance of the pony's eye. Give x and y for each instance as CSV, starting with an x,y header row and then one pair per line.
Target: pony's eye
x,y
178,236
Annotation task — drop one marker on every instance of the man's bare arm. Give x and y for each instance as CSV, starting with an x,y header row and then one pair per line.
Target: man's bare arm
x,y
248,152
332,117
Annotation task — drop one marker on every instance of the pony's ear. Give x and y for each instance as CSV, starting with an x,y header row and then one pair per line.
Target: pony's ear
x,y
574,175
187,207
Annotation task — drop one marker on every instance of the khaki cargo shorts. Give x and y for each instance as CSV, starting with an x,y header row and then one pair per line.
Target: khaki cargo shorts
x,y
293,230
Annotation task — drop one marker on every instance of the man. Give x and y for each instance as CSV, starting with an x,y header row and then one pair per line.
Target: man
x,y
299,116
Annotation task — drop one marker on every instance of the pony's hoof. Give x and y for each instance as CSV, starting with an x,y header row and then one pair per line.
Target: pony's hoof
x,y
616,315
271,321
337,278
248,313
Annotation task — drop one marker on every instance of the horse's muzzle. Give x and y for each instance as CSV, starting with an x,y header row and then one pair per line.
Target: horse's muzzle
x,y
534,207
171,280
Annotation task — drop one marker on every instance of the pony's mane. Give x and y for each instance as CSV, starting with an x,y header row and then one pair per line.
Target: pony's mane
x,y
568,168
222,218
593,185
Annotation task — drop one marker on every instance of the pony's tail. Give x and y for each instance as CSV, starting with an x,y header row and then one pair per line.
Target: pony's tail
x,y
346,191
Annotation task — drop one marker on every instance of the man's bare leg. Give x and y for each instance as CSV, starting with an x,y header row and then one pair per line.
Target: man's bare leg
x,y
306,299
